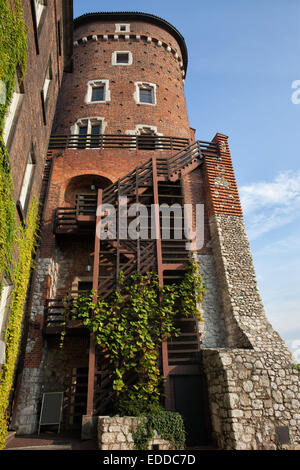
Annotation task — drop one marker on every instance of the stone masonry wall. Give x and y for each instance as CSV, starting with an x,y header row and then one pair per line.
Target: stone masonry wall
x,y
250,395
252,385
26,411
213,328
116,434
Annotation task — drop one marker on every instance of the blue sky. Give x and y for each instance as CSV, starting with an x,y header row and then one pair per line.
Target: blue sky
x,y
243,59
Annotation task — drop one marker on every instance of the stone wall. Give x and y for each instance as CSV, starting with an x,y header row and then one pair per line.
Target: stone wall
x,y
253,388
251,394
213,329
25,419
244,315
116,434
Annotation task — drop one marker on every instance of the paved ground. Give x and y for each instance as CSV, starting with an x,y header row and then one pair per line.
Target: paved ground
x,y
50,441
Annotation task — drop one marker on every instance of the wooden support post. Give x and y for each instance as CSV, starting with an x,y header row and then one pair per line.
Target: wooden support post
x,y
157,222
92,362
118,235
165,363
138,242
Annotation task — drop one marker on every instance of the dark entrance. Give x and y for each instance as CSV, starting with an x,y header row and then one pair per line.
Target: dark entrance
x,y
75,397
191,403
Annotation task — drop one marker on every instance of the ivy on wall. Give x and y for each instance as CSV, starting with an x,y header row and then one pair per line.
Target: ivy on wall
x,y
130,326
26,237
16,242
168,425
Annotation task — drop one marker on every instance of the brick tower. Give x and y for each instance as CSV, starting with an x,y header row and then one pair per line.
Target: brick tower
x,y
121,129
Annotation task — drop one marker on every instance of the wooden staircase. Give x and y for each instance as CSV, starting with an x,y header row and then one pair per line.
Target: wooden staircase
x,y
155,181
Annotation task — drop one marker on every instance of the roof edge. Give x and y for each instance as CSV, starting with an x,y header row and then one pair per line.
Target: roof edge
x,y
138,16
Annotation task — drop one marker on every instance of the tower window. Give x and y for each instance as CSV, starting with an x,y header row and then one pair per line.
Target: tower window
x,y
122,58
87,133
145,93
97,92
123,28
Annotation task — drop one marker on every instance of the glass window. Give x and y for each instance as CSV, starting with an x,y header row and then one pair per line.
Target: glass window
x,y
82,132
146,95
6,290
88,133
95,131
27,181
122,58
39,8
97,93
122,28
12,114
47,81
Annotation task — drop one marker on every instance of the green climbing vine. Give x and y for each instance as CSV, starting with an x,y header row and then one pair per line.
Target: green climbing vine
x,y
16,242
13,50
13,47
130,326
167,424
25,241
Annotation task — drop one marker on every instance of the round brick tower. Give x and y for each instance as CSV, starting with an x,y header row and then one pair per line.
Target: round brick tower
x,y
128,78
121,130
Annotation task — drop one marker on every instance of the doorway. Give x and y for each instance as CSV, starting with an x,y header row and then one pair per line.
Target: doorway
x,y
191,402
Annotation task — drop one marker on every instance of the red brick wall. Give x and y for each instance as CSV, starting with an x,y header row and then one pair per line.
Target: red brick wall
x,y
30,129
194,193
221,189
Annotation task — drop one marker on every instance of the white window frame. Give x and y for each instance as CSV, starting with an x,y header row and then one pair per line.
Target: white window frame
x,y
97,83
119,28
6,290
114,58
27,178
4,300
40,6
88,122
47,81
137,132
145,85
12,111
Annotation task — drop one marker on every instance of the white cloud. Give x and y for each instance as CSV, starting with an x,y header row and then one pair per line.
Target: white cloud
x,y
269,205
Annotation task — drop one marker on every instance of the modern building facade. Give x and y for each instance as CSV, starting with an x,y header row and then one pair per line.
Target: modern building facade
x,y
121,128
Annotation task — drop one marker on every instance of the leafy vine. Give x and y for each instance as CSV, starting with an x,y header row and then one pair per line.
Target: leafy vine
x,y
26,238
16,243
167,424
132,323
